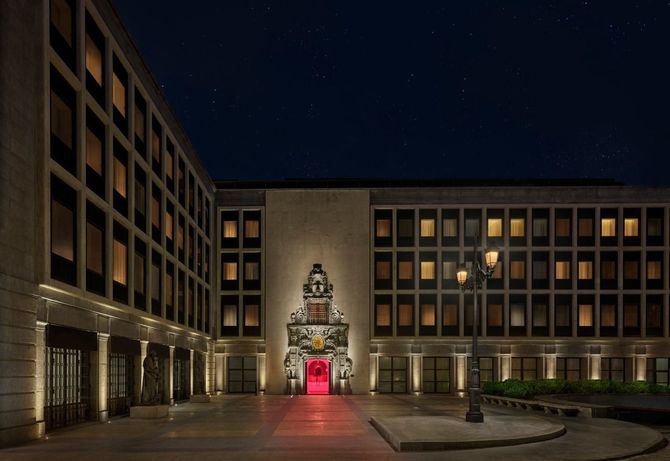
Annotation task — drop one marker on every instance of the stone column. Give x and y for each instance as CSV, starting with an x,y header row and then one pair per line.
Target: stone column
x,y
219,359
40,375
171,372
373,372
640,367
261,374
594,361
103,378
505,367
550,366
190,366
461,370
416,373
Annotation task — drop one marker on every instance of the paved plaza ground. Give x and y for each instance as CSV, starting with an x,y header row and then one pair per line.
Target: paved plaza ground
x,y
248,427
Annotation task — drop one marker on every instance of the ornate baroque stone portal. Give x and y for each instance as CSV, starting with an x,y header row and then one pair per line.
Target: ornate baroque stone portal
x,y
317,331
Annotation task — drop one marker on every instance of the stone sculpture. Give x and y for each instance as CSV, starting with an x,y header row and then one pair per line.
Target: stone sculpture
x,y
151,382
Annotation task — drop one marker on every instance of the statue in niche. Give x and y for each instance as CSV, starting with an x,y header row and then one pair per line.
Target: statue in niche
x,y
151,383
348,365
198,374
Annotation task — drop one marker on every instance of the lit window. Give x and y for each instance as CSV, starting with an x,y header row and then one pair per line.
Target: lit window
x,y
585,315
450,228
607,315
427,228
230,270
631,316
251,315
94,246
383,228
229,229
93,60
383,315
155,145
155,212
61,120
180,236
517,315
608,227
428,315
119,94
427,270
540,227
562,270
93,152
139,121
654,270
517,270
585,270
169,164
251,271
498,270
630,227
405,315
630,270
61,17
120,262
608,271
405,270
120,177
155,281
229,315
494,227
449,270
251,229
517,227
494,315
383,270
585,227
562,227
169,225
450,315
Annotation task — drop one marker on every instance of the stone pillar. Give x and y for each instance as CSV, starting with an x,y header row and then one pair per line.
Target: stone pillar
x,y
144,345
190,366
550,366
171,372
594,361
640,367
416,373
103,378
220,362
40,375
261,374
461,370
505,367
373,372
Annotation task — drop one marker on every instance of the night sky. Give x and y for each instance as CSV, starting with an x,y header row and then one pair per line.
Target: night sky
x,y
315,89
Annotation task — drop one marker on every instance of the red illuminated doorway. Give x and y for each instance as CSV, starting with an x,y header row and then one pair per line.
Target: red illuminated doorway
x,y
318,374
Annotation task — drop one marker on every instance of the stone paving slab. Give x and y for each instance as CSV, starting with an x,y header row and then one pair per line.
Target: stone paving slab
x,y
430,433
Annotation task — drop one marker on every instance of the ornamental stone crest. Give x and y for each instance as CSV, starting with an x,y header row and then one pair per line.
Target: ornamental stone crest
x,y
317,329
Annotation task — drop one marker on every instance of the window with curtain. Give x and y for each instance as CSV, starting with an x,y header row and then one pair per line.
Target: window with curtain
x,y
608,227
93,152
155,281
383,228
120,177
119,94
562,227
229,229
427,270
449,270
471,227
585,227
427,227
229,271
585,315
631,315
494,315
61,120
251,229
405,315
405,227
120,262
562,315
539,270
428,315
450,227
140,121
251,315
93,60
139,273
62,231
517,227
608,270
450,315
251,271
405,270
630,227
229,315
539,315
94,248
517,315
540,227
562,270
654,270
155,211
383,315
630,270
585,270
61,17
607,315
654,227
494,228
383,270
517,270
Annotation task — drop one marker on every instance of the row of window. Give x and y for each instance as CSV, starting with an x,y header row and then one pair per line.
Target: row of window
x,y
517,226
436,372
515,316
64,135
153,286
240,315
515,269
246,224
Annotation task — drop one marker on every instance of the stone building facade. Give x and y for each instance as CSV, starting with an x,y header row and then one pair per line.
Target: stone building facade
x,y
115,243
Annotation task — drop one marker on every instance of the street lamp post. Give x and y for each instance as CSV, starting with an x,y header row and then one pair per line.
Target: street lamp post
x,y
471,279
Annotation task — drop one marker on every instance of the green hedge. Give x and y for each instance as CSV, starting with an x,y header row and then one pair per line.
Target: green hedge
x,y
521,389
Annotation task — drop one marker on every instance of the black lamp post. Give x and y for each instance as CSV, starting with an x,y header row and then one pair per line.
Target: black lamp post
x,y
471,279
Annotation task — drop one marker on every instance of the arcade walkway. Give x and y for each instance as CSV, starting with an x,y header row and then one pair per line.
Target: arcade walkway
x,y
300,428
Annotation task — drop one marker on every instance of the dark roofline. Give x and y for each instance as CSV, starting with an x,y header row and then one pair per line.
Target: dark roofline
x,y
353,183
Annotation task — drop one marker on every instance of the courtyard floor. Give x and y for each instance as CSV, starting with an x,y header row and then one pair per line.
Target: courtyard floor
x,y
306,428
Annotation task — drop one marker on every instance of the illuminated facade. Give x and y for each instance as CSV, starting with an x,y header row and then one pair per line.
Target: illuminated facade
x,y
115,243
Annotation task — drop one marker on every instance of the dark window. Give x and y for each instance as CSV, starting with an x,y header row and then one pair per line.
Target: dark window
x,y
120,263
95,154
658,370
571,368
631,315
608,270
524,368
242,375
120,178
120,95
405,228
405,316
121,373
427,315
586,218
655,226
169,290
181,298
63,119
654,270
613,369
540,227
495,308
140,124
156,146
383,315
190,303
468,313
95,61
473,226
62,27
540,270
63,232
95,249
156,284
563,315
631,270
140,283
393,374
608,315
450,315
563,227
540,315
436,374
654,315
229,315
140,198
517,315
156,218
